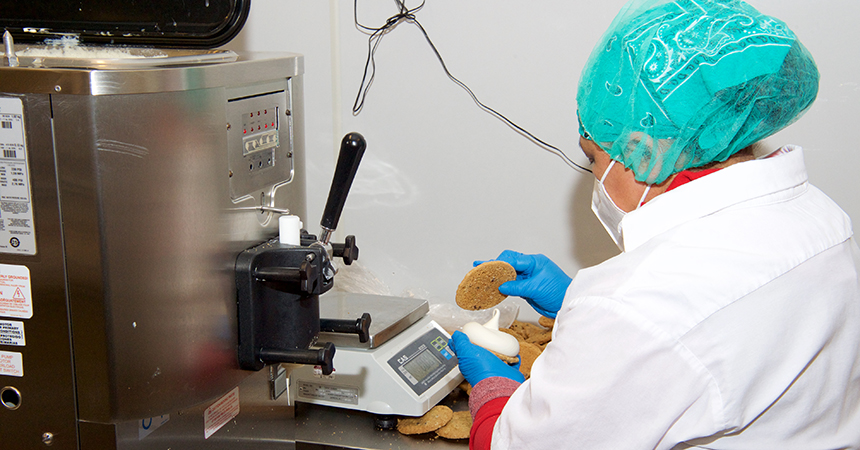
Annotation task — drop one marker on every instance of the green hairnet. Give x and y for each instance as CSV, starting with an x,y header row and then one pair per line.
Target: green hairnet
x,y
679,84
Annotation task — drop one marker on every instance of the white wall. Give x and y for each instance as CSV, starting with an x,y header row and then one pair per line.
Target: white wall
x,y
443,183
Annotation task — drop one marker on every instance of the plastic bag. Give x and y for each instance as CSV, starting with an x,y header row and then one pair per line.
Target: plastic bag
x,y
451,317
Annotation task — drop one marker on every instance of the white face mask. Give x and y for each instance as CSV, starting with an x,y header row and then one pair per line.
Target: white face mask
x,y
607,212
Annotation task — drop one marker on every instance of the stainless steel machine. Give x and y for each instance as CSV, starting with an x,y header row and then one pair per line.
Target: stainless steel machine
x,y
130,197
129,185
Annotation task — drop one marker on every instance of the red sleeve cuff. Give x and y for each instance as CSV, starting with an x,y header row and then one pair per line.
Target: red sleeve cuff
x,y
489,389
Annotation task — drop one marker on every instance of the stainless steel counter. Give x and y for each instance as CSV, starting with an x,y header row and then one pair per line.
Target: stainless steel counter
x,y
265,424
321,427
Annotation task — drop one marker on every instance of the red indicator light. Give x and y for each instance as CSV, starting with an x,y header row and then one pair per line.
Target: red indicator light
x,y
273,123
266,126
245,131
265,111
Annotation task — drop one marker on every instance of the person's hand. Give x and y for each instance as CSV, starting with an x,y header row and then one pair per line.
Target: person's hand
x,y
477,363
540,281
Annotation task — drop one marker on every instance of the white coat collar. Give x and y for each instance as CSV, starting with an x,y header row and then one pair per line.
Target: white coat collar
x,y
719,190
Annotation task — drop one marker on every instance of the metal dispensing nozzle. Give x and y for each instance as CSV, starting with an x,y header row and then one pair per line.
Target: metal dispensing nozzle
x,y
9,45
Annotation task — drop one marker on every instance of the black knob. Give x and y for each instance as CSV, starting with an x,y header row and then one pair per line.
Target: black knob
x,y
325,358
362,326
348,250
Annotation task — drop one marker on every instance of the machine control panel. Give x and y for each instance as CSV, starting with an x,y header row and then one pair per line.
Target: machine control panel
x,y
424,361
260,130
259,141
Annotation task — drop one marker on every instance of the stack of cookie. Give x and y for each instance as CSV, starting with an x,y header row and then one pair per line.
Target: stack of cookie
x,y
533,339
440,419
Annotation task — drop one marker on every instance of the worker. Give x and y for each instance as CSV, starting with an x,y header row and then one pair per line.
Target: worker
x,y
731,318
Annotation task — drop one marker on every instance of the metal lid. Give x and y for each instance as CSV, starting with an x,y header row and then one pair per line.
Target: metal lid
x,y
158,23
101,57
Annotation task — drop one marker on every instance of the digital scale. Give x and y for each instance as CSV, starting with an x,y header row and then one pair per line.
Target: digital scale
x,y
405,367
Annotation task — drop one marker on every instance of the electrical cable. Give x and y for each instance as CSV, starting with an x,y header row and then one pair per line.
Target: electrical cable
x,y
406,14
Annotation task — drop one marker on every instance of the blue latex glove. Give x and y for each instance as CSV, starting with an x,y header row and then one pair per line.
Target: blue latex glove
x,y
539,281
477,363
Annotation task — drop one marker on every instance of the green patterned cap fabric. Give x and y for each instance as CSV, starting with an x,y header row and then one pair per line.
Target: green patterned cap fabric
x,y
679,84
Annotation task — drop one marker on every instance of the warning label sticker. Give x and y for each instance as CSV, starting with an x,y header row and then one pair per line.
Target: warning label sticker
x,y
12,333
17,234
11,364
221,412
15,298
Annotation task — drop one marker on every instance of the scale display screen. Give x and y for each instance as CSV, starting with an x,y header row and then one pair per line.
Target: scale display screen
x,y
422,365
424,361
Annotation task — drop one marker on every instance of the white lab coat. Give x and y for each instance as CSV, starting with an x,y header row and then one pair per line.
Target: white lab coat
x,y
731,321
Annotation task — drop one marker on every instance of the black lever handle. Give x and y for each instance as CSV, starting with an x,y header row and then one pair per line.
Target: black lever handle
x,y
360,326
351,150
323,357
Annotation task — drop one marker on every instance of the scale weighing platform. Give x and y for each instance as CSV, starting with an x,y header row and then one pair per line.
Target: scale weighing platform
x,y
405,368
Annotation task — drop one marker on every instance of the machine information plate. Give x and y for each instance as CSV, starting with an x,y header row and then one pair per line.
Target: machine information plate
x,y
15,299
12,333
17,234
336,394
